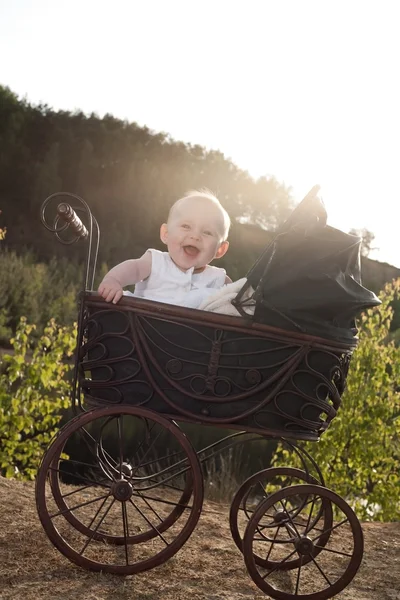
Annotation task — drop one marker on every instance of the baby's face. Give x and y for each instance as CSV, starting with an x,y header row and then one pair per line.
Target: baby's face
x,y
194,234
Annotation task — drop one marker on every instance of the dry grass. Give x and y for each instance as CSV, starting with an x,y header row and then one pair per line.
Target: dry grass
x,y
209,567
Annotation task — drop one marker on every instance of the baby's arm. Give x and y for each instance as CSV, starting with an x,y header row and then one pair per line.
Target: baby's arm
x,y
126,273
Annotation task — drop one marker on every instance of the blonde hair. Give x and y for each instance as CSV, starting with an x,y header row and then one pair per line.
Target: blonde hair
x,y
204,194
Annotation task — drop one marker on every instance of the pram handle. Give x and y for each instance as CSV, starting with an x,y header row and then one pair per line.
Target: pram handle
x,y
62,217
69,216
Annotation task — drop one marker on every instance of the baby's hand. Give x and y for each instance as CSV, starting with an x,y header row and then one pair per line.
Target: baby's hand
x,y
111,290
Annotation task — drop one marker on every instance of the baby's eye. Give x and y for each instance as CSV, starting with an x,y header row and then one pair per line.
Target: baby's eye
x,y
207,232
185,226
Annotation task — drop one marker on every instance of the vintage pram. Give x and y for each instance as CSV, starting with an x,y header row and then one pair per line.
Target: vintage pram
x,y
276,375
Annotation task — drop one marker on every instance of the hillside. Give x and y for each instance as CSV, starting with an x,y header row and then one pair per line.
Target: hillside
x,y
209,567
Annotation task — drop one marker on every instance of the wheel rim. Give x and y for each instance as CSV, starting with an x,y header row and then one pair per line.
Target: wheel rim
x,y
125,516
266,481
324,574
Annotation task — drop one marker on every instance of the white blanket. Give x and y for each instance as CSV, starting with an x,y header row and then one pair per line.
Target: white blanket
x,y
220,301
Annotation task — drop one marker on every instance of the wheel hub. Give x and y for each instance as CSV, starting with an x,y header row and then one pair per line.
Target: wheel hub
x,y
126,469
304,545
121,490
280,516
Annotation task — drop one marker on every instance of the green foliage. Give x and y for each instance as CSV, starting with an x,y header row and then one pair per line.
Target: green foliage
x,y
395,337
360,453
395,324
40,291
33,391
5,331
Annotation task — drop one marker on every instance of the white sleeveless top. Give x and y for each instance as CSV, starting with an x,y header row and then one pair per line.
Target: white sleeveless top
x,y
167,283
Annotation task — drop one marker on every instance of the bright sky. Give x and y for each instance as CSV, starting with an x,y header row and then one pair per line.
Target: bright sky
x,y
305,90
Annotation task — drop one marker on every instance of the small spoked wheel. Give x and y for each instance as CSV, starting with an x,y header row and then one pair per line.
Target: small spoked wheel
x,y
261,486
120,490
322,569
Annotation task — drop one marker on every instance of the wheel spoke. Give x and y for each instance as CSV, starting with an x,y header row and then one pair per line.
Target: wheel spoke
x,y
320,570
160,459
310,514
146,453
333,551
272,544
293,510
331,529
126,530
162,482
312,528
248,512
139,495
98,512
93,452
166,485
265,495
298,576
78,490
163,501
95,530
74,461
72,508
149,522
279,564
291,520
149,430
83,478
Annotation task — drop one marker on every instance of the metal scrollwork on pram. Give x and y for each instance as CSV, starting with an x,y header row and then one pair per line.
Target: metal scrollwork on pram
x,y
256,380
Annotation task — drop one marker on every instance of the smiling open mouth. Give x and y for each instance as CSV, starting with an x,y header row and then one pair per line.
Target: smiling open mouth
x,y
191,250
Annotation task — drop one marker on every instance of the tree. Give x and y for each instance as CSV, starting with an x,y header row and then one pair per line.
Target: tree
x,y
367,239
122,170
359,455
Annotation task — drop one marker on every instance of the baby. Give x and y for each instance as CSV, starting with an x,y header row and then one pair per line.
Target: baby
x,y
195,233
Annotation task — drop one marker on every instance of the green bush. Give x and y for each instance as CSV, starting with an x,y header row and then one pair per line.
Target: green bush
x,y
395,337
5,331
39,291
33,392
360,453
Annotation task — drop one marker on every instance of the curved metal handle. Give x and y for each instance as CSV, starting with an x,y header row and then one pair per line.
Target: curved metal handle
x,y
69,216
67,220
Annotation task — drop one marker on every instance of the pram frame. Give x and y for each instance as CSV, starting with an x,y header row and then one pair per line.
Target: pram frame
x,y
313,486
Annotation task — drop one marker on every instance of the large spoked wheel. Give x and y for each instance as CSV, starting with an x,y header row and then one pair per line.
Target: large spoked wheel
x,y
63,500
261,486
119,490
323,570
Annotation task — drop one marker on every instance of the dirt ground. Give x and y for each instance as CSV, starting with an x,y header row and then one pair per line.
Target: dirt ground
x,y
209,567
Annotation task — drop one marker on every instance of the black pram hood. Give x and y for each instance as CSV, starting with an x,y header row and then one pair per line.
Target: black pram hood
x,y
308,278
